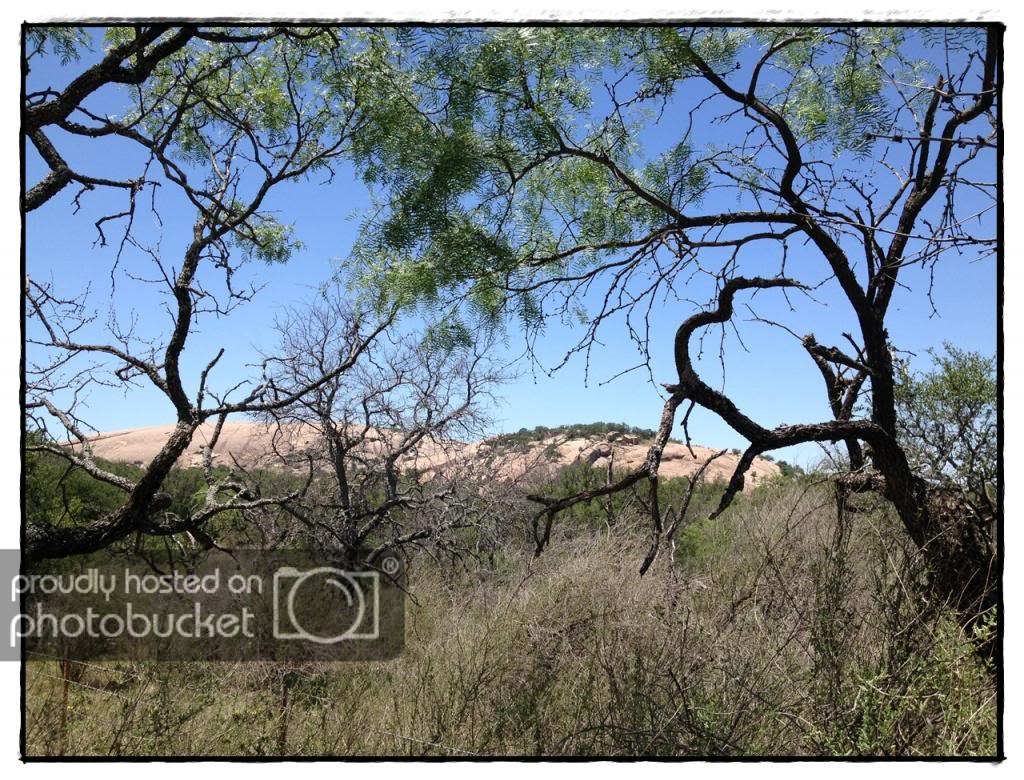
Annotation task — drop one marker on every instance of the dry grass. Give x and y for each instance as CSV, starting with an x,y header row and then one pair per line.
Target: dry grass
x,y
778,631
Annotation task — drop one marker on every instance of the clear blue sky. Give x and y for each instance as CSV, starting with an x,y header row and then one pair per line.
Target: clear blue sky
x,y
774,382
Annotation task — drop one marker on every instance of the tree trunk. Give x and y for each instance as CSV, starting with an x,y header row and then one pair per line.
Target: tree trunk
x,y
964,566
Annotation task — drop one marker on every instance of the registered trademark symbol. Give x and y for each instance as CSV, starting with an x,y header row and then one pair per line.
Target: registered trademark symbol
x,y
390,565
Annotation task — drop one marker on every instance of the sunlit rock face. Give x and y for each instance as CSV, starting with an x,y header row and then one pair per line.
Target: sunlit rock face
x,y
255,445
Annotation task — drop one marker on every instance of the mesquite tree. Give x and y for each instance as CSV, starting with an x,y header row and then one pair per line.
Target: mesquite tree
x,y
539,170
215,119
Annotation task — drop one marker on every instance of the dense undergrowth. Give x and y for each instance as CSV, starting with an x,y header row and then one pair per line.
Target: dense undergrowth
x,y
778,629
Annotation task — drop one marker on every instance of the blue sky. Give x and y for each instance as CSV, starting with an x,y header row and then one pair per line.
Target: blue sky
x,y
774,381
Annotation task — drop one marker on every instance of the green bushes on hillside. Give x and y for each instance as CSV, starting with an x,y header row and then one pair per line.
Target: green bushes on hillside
x,y
573,431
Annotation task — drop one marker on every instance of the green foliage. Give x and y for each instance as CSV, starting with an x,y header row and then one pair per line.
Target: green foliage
x,y
446,336
501,157
268,240
59,494
701,540
837,91
677,178
64,495
789,470
61,41
572,431
931,690
947,419
235,115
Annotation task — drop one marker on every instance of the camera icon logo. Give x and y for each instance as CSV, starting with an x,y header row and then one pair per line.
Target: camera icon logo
x,y
326,605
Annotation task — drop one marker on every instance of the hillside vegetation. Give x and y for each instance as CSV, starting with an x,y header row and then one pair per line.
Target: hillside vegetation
x,y
574,431
780,629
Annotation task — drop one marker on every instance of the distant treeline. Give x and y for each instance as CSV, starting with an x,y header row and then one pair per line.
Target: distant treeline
x,y
573,431
602,429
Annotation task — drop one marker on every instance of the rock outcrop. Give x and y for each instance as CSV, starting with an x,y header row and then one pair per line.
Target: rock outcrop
x,y
254,445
